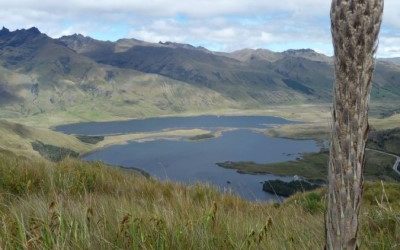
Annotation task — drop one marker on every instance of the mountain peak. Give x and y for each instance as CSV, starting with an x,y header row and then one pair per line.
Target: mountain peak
x,y
308,54
247,55
76,37
21,37
81,43
182,45
33,30
296,51
4,31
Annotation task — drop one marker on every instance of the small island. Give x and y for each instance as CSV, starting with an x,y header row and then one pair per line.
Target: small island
x,y
202,137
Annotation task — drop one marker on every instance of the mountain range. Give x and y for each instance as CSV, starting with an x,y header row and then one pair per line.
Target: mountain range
x,y
87,77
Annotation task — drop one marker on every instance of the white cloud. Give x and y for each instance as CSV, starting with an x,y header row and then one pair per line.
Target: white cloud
x,y
203,8
225,34
217,24
389,46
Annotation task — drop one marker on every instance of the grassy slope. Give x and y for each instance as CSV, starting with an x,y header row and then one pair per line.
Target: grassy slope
x,y
77,205
18,138
128,94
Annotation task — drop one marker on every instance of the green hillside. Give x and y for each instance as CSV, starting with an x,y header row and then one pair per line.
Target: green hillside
x,y
258,76
77,78
40,75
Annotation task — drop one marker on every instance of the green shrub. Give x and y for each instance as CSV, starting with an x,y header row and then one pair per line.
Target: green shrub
x,y
53,153
313,202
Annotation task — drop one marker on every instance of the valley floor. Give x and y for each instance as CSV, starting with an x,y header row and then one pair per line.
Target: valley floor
x,y
19,133
302,112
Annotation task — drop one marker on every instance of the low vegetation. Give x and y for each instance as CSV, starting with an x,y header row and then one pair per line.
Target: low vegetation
x,y
53,153
387,141
90,139
379,166
287,189
79,205
202,137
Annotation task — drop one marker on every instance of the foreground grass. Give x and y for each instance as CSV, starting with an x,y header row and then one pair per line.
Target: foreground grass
x,y
77,205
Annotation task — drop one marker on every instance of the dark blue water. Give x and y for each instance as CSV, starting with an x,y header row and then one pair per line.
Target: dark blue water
x,y
195,161
157,124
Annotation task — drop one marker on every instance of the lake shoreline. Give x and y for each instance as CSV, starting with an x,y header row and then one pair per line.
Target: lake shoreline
x,y
186,149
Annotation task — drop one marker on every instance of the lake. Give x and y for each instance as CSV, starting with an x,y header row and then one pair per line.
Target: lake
x,y
195,161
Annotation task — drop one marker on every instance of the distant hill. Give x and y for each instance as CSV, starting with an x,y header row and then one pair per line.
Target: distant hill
x,y
257,82
395,60
39,74
257,76
83,76
247,55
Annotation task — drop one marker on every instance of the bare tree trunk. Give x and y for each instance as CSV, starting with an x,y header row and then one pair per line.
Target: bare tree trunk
x,y
355,30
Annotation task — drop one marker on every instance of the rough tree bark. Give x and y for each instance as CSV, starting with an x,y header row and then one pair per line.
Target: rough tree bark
x,y
355,28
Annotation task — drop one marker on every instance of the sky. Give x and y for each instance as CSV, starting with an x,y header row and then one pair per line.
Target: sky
x,y
219,25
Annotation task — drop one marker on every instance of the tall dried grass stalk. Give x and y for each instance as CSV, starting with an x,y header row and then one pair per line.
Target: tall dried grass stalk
x,y
355,28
